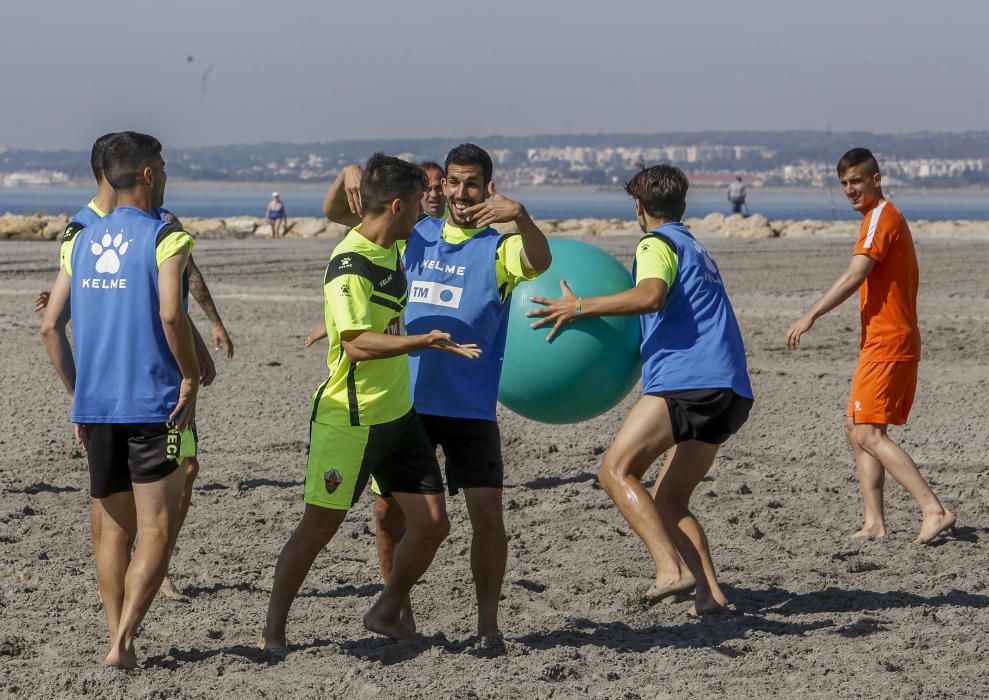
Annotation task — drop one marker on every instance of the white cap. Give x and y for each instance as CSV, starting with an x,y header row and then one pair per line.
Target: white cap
x,y
274,194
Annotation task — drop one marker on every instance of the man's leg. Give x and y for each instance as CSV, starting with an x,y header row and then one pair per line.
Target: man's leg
x,y
488,554
389,526
156,504
426,527
872,479
644,436
310,537
680,476
872,439
191,469
117,523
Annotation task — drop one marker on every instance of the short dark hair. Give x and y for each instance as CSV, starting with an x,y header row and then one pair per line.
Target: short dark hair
x,y
125,154
387,178
469,154
662,189
96,156
428,165
858,156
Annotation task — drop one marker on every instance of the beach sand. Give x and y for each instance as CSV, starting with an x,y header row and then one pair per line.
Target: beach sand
x,y
820,614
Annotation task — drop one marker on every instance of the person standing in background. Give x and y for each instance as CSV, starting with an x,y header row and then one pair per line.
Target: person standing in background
x,y
736,195
275,214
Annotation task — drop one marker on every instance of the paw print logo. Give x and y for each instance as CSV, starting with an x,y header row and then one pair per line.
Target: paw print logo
x,y
109,250
858,405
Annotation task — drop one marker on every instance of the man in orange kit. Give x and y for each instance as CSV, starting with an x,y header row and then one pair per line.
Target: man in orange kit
x,y
884,268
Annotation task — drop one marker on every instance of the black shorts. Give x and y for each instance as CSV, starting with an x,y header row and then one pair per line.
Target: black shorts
x,y
472,450
122,454
708,415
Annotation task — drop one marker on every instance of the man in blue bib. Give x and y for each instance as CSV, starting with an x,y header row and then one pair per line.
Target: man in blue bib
x,y
695,384
133,377
105,201
461,273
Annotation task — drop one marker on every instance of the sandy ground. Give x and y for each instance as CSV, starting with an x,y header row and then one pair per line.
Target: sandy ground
x,y
821,615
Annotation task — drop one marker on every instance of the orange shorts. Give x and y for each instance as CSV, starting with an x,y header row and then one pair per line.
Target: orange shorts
x,y
882,392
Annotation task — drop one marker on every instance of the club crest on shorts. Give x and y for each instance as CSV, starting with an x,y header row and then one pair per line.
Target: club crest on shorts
x,y
332,480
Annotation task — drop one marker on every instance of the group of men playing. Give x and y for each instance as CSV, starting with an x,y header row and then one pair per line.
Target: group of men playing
x,y
416,302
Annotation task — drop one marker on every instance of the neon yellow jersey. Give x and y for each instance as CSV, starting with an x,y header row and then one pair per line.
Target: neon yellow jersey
x,y
654,259
363,290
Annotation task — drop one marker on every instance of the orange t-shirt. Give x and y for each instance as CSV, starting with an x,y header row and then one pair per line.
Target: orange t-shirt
x,y
888,298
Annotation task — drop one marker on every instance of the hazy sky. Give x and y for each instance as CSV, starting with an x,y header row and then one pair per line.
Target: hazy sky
x,y
320,70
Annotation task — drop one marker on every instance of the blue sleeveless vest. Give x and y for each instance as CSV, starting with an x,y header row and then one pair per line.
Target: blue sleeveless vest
x,y
125,371
453,288
693,342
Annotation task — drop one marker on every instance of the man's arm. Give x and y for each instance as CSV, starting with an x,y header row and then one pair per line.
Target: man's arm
x,y
647,296
178,332
207,369
850,280
499,209
317,332
343,200
200,292
367,345
53,334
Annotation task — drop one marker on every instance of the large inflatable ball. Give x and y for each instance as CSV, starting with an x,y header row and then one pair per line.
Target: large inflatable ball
x,y
591,364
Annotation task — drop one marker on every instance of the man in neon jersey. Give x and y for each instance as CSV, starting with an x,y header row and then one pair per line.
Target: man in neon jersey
x,y
362,422
695,384
461,275
133,377
884,270
105,201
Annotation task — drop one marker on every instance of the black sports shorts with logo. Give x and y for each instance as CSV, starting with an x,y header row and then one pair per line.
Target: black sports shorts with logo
x,y
123,454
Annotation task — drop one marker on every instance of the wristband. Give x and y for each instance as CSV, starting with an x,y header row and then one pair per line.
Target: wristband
x,y
579,310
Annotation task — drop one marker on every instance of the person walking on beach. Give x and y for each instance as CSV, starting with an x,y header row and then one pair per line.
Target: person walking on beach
x,y
362,422
133,377
97,208
461,273
276,216
695,385
884,270
736,194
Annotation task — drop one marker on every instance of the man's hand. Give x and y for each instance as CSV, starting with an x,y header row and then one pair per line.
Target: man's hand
x,y
81,438
439,340
185,409
353,175
222,339
496,209
799,327
317,332
42,300
207,369
559,312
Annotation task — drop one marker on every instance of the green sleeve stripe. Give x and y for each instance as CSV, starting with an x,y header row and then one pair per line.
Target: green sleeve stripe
x,y
173,243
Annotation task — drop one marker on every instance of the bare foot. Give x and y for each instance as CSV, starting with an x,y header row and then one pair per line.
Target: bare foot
x,y
271,643
492,644
393,629
121,657
660,590
406,617
934,525
169,590
872,530
709,605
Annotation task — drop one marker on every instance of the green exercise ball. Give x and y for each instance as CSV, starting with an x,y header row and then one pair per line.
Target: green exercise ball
x,y
591,364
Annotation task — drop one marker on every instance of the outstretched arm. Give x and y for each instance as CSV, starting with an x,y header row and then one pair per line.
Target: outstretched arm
x,y
367,345
200,292
646,297
850,280
343,200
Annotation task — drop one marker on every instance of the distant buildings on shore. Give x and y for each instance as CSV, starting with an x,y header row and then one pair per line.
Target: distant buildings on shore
x,y
523,166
